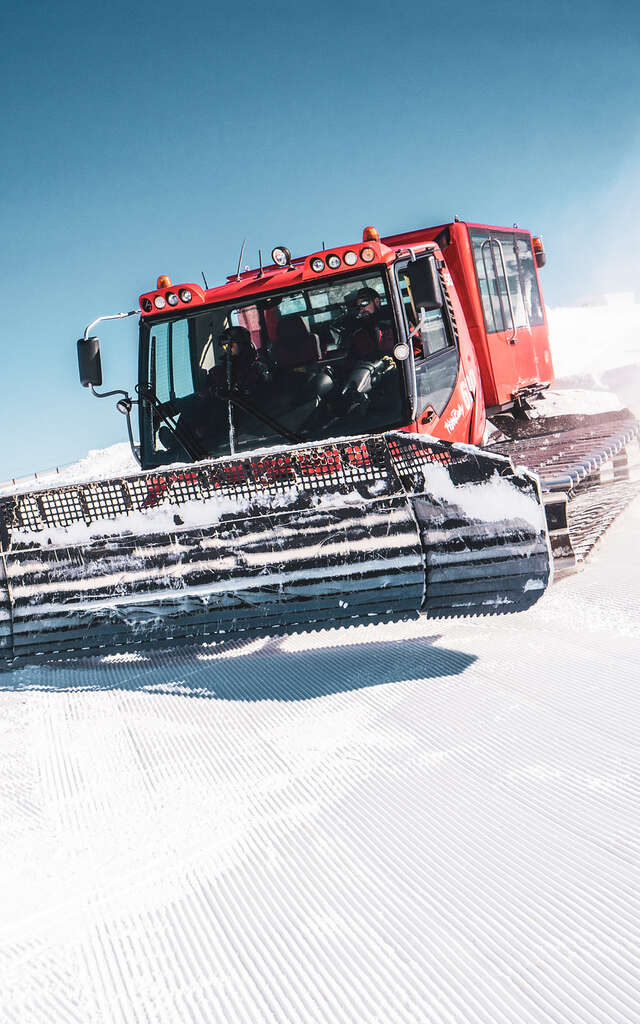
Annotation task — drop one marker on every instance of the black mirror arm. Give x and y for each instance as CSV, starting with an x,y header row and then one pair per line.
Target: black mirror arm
x,y
108,394
113,316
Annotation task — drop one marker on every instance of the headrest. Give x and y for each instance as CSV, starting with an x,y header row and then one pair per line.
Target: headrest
x,y
296,344
292,328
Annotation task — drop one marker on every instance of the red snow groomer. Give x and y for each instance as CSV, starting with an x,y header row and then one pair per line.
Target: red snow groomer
x,y
308,438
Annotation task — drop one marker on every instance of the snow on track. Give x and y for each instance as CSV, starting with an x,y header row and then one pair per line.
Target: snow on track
x,y
410,823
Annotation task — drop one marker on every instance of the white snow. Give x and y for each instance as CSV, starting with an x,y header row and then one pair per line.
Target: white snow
x,y
101,464
597,347
593,339
563,401
422,822
427,822
492,501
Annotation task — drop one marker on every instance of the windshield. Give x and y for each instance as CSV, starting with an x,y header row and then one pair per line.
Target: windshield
x,y
310,363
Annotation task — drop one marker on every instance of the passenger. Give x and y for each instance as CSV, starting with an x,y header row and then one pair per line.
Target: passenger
x,y
238,372
240,369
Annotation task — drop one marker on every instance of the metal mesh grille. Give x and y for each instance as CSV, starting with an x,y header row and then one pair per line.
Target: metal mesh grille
x,y
373,465
412,455
341,466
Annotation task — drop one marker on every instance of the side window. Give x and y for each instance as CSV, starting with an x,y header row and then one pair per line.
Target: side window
x,y
182,375
490,283
436,379
171,360
528,280
434,350
511,262
520,275
432,336
433,333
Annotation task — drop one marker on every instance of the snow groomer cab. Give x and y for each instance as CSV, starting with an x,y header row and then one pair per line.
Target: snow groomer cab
x,y
352,340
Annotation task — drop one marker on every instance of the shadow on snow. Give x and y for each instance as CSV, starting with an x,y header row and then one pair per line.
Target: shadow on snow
x,y
249,671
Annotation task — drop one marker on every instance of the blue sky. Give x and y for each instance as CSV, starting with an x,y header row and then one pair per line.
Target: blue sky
x,y
149,141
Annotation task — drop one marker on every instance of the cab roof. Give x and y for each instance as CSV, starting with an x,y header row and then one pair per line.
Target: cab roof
x,y
167,297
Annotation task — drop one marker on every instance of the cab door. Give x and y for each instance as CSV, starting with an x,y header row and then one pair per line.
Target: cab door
x,y
516,334
436,358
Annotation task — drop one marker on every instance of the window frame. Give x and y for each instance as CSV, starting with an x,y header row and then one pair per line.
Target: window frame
x,y
479,235
420,368
148,324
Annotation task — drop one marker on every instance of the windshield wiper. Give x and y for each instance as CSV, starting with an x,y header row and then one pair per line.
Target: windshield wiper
x,y
246,406
183,435
168,413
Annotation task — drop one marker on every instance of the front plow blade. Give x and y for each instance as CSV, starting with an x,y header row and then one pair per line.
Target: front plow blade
x,y
361,530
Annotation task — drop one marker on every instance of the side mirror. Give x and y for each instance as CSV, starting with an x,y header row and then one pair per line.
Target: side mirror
x,y
425,284
89,364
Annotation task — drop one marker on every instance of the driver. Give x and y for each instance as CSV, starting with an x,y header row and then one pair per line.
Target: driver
x,y
370,344
372,334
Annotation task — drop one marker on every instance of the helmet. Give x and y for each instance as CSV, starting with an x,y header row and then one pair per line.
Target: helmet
x,y
366,293
240,336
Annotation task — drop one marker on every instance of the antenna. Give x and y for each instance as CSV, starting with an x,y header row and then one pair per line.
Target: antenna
x,y
261,271
244,242
204,279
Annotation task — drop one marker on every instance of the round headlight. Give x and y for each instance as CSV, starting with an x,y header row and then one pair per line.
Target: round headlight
x,y
367,254
281,256
350,258
185,295
159,302
172,298
147,305
333,261
401,351
317,264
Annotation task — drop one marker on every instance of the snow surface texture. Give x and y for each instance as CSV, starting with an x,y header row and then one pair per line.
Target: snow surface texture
x,y
400,823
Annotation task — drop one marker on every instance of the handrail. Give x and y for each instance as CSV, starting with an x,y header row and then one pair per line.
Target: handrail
x,y
491,242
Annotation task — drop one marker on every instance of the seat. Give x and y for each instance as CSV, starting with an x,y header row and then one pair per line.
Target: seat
x,y
296,345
